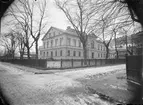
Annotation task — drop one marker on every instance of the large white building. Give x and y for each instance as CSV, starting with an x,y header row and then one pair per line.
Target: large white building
x,y
65,44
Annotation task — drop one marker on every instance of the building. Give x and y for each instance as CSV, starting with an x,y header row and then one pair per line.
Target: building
x,y
65,44
131,45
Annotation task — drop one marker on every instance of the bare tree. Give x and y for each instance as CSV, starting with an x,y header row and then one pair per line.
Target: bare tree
x,y
135,7
10,43
80,13
30,16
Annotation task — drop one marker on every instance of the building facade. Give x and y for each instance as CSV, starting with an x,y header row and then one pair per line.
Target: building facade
x,y
65,44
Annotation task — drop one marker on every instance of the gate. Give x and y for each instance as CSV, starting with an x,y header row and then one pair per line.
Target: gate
x,y
134,74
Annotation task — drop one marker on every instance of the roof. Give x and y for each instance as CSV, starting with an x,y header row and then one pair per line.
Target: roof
x,y
69,31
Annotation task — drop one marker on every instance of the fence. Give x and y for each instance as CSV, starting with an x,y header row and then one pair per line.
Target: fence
x,y
65,63
134,68
134,75
40,63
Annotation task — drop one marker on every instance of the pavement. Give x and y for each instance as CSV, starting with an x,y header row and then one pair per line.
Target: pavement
x,y
87,86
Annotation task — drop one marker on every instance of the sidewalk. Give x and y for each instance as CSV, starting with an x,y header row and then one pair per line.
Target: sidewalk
x,y
114,87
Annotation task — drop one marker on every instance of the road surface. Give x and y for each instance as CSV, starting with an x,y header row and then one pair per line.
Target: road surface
x,y
22,86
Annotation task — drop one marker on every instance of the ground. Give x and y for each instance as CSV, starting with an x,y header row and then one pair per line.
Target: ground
x,y
27,86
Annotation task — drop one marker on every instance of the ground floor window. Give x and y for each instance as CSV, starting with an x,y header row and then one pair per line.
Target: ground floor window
x,y
44,54
74,53
55,53
47,54
68,53
79,53
51,53
92,54
61,53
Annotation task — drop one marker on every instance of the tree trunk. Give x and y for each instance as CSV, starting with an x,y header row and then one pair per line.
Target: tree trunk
x,y
85,53
28,52
36,48
107,52
117,55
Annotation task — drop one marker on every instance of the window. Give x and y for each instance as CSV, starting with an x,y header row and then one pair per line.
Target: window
x,y
92,44
40,52
47,54
101,55
51,43
44,54
68,53
92,54
61,53
54,33
44,44
74,42
61,41
55,53
47,44
101,47
98,46
74,53
98,55
56,42
51,54
49,35
79,53
79,43
69,41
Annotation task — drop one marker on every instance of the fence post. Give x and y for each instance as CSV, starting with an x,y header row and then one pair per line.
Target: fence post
x,y
81,63
61,62
88,62
72,62
126,65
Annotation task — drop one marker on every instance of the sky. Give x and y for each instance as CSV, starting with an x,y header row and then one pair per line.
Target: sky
x,y
56,18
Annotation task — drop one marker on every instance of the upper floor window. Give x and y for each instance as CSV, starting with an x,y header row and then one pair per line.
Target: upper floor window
x,y
56,42
68,41
98,46
50,35
61,41
74,42
92,44
51,43
54,33
44,44
79,43
101,47
47,44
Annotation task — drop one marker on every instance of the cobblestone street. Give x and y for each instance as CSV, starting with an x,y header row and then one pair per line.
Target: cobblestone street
x,y
24,87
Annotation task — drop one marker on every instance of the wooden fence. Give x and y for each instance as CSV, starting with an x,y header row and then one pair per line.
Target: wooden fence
x,y
64,63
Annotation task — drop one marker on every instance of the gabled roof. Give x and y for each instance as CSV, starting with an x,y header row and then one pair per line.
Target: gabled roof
x,y
61,30
50,29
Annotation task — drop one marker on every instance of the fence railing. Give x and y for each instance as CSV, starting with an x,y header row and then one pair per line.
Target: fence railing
x,y
64,63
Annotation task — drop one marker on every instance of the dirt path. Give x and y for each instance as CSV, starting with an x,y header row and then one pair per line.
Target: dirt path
x,y
62,88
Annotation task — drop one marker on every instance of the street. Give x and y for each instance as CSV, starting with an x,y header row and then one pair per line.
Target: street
x,y
22,86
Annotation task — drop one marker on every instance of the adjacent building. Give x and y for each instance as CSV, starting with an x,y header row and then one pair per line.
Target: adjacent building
x,y
65,44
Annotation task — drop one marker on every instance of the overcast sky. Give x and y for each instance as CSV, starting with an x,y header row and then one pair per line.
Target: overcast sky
x,y
55,18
